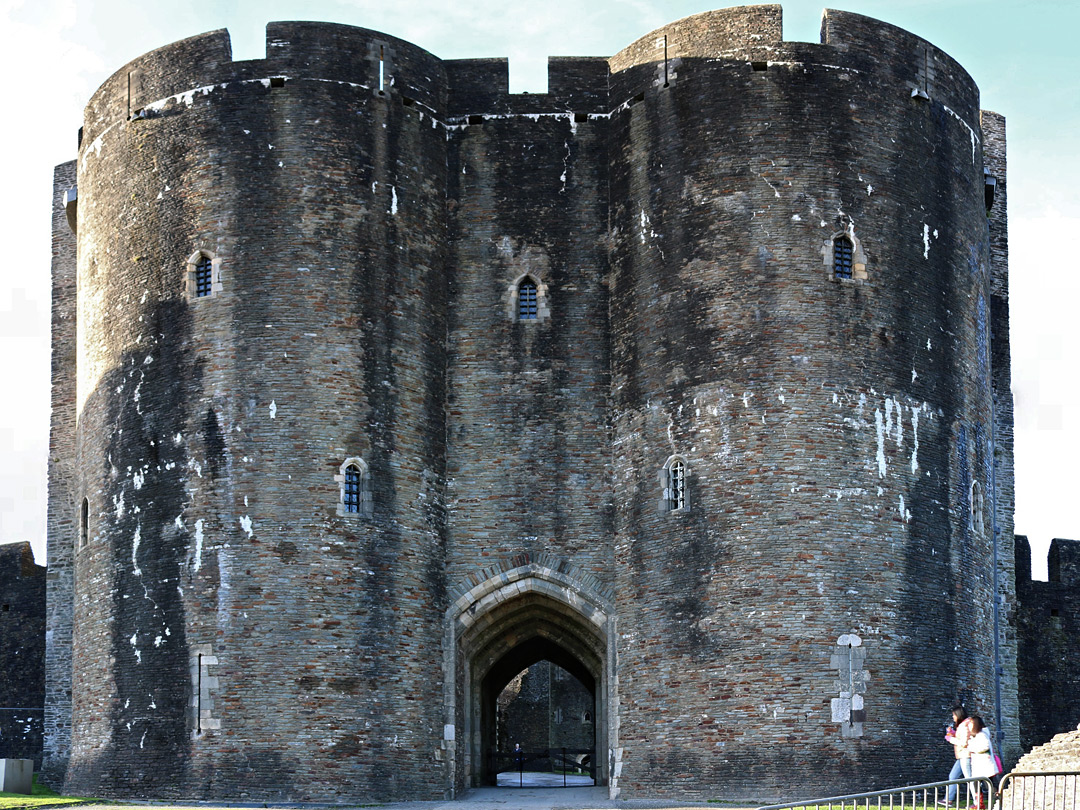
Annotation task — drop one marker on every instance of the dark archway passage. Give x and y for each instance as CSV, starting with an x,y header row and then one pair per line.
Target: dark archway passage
x,y
544,708
509,623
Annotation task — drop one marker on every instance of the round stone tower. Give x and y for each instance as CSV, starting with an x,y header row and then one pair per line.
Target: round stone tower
x,y
260,392
800,297
689,377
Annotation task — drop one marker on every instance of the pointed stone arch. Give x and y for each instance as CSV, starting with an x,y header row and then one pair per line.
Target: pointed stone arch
x,y
508,617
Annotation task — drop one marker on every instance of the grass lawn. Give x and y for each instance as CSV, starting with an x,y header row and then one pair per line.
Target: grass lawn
x,y
40,797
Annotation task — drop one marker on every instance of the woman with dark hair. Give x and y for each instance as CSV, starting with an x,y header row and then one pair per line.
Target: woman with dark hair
x,y
958,734
981,751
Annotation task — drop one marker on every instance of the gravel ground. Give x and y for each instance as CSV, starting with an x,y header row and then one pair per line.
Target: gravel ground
x,y
490,798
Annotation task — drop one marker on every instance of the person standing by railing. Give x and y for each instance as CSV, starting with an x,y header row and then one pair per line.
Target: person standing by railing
x,y
959,733
981,751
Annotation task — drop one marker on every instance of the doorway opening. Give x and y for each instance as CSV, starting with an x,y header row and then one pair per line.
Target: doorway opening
x,y
544,729
533,658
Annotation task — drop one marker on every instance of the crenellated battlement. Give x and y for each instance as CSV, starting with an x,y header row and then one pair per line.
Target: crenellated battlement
x,y
1048,630
1062,562
743,32
749,37
752,35
371,61
891,52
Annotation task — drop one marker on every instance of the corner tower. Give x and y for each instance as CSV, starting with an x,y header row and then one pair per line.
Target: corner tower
x,y
800,312
259,447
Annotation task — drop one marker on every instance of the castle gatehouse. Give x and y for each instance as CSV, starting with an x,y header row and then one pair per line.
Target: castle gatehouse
x,y
375,384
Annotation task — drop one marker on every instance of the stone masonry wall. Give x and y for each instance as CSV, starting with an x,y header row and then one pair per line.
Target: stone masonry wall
x,y
829,591
527,417
1048,634
22,653
370,212
1050,792
237,633
995,165
1061,753
63,512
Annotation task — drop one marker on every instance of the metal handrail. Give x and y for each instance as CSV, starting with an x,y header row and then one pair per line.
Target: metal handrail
x,y
519,758
931,794
1044,794
1041,796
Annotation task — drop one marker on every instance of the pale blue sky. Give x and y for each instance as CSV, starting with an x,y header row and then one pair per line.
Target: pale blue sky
x,y
1023,55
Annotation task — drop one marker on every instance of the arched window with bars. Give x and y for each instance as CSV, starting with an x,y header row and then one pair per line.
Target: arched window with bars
x,y
527,300
843,253
674,476
354,484
844,256
352,488
203,275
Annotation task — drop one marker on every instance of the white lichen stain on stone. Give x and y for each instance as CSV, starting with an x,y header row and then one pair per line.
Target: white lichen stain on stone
x,y
880,425
198,547
968,127
841,492
135,550
566,167
905,514
245,524
273,409
775,191
915,439
393,200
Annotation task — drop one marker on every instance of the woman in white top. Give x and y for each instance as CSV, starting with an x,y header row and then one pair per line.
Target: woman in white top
x,y
981,751
958,735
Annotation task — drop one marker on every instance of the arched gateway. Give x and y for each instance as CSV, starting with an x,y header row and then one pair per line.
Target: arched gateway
x,y
533,611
